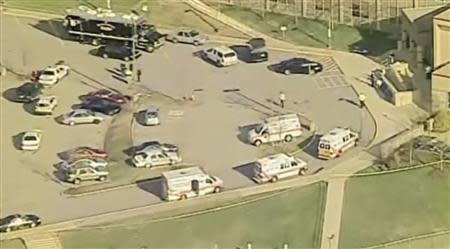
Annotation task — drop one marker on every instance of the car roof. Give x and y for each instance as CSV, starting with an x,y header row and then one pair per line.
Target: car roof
x,y
257,42
152,109
185,29
76,111
223,49
45,99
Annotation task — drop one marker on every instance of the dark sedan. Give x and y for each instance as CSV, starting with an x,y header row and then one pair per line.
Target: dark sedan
x,y
258,50
19,221
106,94
28,92
121,52
103,106
298,66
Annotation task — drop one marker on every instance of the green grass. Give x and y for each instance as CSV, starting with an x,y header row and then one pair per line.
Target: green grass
x,y
310,32
162,13
294,217
12,244
379,209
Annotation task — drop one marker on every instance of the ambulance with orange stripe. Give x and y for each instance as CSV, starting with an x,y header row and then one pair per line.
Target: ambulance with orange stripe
x,y
336,142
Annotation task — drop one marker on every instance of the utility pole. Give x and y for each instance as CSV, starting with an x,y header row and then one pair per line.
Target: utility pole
x,y
108,4
133,50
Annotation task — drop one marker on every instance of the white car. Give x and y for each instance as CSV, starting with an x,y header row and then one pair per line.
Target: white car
x,y
222,56
151,116
155,156
81,116
31,140
45,105
92,162
52,75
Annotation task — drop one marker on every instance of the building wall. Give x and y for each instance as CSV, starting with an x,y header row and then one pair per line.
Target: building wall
x,y
441,41
342,11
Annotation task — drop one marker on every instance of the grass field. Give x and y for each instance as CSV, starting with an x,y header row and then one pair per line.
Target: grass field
x,y
294,217
309,32
391,207
437,241
12,244
162,13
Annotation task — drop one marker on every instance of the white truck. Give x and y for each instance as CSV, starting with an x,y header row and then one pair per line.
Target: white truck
x,y
277,128
189,182
336,142
278,166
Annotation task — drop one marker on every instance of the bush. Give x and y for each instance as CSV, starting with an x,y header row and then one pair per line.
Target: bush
x,y
442,121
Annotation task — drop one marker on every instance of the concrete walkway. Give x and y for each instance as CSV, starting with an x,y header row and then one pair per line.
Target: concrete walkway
x,y
333,211
42,241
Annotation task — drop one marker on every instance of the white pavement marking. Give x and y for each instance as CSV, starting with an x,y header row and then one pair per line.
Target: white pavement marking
x,y
42,241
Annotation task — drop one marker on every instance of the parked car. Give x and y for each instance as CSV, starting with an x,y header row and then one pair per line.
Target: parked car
x,y
103,106
28,92
93,162
31,140
186,35
83,172
155,156
107,95
120,52
45,105
258,50
19,221
298,66
52,75
155,144
87,152
81,116
221,56
151,116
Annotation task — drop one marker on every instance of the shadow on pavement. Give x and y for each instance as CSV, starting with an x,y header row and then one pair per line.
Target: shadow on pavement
x,y
309,145
248,170
200,54
17,140
29,108
153,186
243,132
52,27
242,51
10,95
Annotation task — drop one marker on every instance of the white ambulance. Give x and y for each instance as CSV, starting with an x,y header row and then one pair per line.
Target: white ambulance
x,y
278,166
189,182
336,142
277,128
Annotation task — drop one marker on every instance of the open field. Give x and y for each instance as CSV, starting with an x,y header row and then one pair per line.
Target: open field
x,y
164,14
440,240
397,206
299,226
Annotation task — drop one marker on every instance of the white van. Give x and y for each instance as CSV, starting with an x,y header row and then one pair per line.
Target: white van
x,y
278,128
189,182
221,56
335,142
278,166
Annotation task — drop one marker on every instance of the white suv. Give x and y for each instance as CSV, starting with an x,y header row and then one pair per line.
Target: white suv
x,y
52,75
221,56
45,105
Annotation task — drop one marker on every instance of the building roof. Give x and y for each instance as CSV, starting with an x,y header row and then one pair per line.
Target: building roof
x,y
443,70
415,13
444,15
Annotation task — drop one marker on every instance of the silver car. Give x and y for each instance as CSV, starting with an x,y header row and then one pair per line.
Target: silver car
x,y
81,116
155,156
186,35
151,116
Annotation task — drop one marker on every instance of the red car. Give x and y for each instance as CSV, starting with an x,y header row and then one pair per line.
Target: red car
x,y
85,151
107,95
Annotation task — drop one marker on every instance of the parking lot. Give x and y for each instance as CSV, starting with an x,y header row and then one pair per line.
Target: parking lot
x,y
209,130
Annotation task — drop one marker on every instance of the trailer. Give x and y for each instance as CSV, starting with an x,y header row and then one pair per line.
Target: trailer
x,y
101,26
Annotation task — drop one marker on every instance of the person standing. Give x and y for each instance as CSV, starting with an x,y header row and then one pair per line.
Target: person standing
x,y
282,99
139,73
362,100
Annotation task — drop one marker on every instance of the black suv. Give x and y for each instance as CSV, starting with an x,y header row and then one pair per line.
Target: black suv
x,y
117,51
258,51
28,92
103,106
299,66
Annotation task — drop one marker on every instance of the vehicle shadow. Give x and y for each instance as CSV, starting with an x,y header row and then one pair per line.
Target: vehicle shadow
x,y
200,54
273,68
140,117
10,95
309,145
246,170
243,132
242,51
153,186
52,27
17,140
130,151
29,108
64,155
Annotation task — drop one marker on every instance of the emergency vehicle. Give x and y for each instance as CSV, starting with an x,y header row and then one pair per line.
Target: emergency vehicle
x,y
336,142
277,128
189,182
278,166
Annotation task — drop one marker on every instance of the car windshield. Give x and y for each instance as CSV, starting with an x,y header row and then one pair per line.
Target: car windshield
x,y
48,72
30,138
259,128
230,54
142,155
193,33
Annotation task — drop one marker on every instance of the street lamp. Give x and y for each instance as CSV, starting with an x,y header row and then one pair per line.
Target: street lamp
x,y
283,29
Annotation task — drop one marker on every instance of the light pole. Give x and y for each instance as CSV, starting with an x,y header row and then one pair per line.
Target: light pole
x,y
108,4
